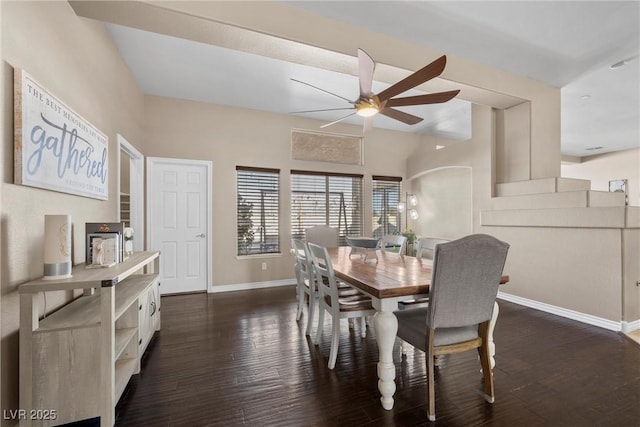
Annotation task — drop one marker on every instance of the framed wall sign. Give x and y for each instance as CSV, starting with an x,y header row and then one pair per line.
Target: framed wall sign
x,y
54,147
618,185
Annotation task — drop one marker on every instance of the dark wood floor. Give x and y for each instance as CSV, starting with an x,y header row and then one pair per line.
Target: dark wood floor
x,y
240,358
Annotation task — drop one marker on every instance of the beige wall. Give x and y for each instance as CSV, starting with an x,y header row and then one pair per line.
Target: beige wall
x,y
573,268
631,275
513,141
444,203
74,59
476,154
125,172
229,137
605,167
578,269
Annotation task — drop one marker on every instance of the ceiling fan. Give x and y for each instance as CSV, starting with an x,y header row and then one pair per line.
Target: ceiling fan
x,y
369,104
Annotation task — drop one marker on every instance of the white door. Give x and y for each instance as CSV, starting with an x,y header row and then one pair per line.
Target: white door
x,y
179,212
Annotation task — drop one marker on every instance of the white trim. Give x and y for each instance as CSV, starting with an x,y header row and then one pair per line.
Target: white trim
x,y
628,327
136,189
265,255
254,285
208,164
564,312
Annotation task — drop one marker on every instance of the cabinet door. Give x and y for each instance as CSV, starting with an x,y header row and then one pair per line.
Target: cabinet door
x,y
154,297
149,315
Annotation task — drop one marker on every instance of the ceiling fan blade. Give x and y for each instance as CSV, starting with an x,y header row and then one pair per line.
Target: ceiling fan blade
x,y
322,90
366,67
432,98
339,120
318,111
406,118
368,124
422,75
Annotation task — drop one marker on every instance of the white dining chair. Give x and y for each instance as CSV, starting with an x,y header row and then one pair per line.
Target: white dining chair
x,y
322,235
306,283
426,247
330,300
305,279
393,242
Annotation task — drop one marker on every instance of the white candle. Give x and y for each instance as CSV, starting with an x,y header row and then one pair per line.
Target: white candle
x,y
57,246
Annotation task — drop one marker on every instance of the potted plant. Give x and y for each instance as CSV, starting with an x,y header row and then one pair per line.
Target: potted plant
x,y
410,235
245,225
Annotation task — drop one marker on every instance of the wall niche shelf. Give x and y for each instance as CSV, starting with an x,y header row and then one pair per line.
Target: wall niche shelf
x,y
79,359
125,209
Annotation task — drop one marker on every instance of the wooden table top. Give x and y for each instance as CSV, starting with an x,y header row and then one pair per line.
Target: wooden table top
x,y
392,276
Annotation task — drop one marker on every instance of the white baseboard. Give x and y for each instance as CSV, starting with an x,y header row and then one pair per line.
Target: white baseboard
x,y
611,325
564,312
253,285
628,327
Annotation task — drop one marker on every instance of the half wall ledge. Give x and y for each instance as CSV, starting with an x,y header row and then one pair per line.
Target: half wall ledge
x,y
587,217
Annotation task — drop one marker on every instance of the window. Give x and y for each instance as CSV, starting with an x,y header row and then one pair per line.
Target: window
x,y
332,199
385,198
257,210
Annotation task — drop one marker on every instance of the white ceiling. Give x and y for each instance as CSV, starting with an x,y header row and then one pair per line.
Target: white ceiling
x,y
567,44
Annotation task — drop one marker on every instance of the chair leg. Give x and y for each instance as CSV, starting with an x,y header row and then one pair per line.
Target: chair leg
x,y
431,388
301,295
404,348
312,309
437,361
363,327
320,324
335,341
485,360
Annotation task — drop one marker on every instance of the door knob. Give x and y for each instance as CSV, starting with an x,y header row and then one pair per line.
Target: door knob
x,y
200,235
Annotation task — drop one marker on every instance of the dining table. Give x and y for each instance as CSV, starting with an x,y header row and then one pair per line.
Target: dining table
x,y
389,278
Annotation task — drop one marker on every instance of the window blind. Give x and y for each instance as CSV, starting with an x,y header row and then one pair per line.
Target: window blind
x,y
258,206
385,198
319,198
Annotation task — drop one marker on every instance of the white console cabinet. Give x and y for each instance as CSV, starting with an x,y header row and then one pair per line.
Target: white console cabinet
x,y
76,362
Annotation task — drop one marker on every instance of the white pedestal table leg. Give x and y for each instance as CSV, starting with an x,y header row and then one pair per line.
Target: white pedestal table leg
x,y
386,328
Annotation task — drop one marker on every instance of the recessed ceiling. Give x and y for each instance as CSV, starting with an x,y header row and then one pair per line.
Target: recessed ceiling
x,y
178,68
567,44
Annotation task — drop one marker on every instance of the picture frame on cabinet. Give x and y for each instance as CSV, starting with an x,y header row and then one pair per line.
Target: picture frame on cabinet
x,y
104,230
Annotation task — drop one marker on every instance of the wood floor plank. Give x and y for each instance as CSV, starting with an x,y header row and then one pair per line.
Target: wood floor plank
x,y
241,359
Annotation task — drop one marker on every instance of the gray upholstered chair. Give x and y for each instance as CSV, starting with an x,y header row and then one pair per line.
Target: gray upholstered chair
x,y
426,247
322,235
465,278
337,304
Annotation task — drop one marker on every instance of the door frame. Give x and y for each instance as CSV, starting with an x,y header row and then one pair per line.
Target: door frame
x,y
151,163
136,189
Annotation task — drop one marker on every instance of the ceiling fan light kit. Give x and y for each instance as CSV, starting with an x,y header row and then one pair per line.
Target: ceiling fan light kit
x,y
367,107
369,104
